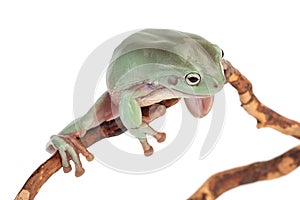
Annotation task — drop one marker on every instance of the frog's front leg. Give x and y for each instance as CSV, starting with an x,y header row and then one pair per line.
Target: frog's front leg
x,y
131,116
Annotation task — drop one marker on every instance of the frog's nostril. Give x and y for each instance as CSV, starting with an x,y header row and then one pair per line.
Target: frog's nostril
x,y
216,86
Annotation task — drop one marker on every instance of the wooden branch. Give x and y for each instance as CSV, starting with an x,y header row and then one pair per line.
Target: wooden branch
x,y
226,180
266,117
53,164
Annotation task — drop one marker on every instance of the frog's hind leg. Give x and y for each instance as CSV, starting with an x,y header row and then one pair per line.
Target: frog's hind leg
x,y
68,143
131,116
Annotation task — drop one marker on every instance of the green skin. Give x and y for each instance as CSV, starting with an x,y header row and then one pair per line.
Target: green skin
x,y
150,66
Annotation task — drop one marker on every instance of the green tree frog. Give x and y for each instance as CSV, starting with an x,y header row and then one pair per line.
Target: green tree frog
x,y
147,67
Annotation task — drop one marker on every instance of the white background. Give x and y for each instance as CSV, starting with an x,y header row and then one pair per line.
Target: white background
x,y
42,48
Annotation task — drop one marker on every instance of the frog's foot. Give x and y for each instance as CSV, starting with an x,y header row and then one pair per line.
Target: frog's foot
x,y
148,149
142,132
69,148
150,114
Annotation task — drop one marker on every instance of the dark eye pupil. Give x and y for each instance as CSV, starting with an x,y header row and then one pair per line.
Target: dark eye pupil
x,y
193,79
222,53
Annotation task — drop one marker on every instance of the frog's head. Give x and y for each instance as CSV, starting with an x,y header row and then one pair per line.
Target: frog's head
x,y
197,80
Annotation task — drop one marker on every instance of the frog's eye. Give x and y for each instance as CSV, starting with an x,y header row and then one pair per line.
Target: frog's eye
x,y
193,79
222,53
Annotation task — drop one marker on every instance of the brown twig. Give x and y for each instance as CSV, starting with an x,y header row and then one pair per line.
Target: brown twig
x,y
53,164
226,180
277,167
265,116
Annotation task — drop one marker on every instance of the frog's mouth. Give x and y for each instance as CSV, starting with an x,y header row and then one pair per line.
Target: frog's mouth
x,y
199,107
182,94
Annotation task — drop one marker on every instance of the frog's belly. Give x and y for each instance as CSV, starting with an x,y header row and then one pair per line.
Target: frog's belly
x,y
155,96
145,95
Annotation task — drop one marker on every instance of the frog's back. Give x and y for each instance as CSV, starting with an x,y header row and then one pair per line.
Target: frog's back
x,y
154,47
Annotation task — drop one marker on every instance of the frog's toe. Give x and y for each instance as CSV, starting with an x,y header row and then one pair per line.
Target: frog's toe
x,y
65,160
79,169
148,149
160,137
